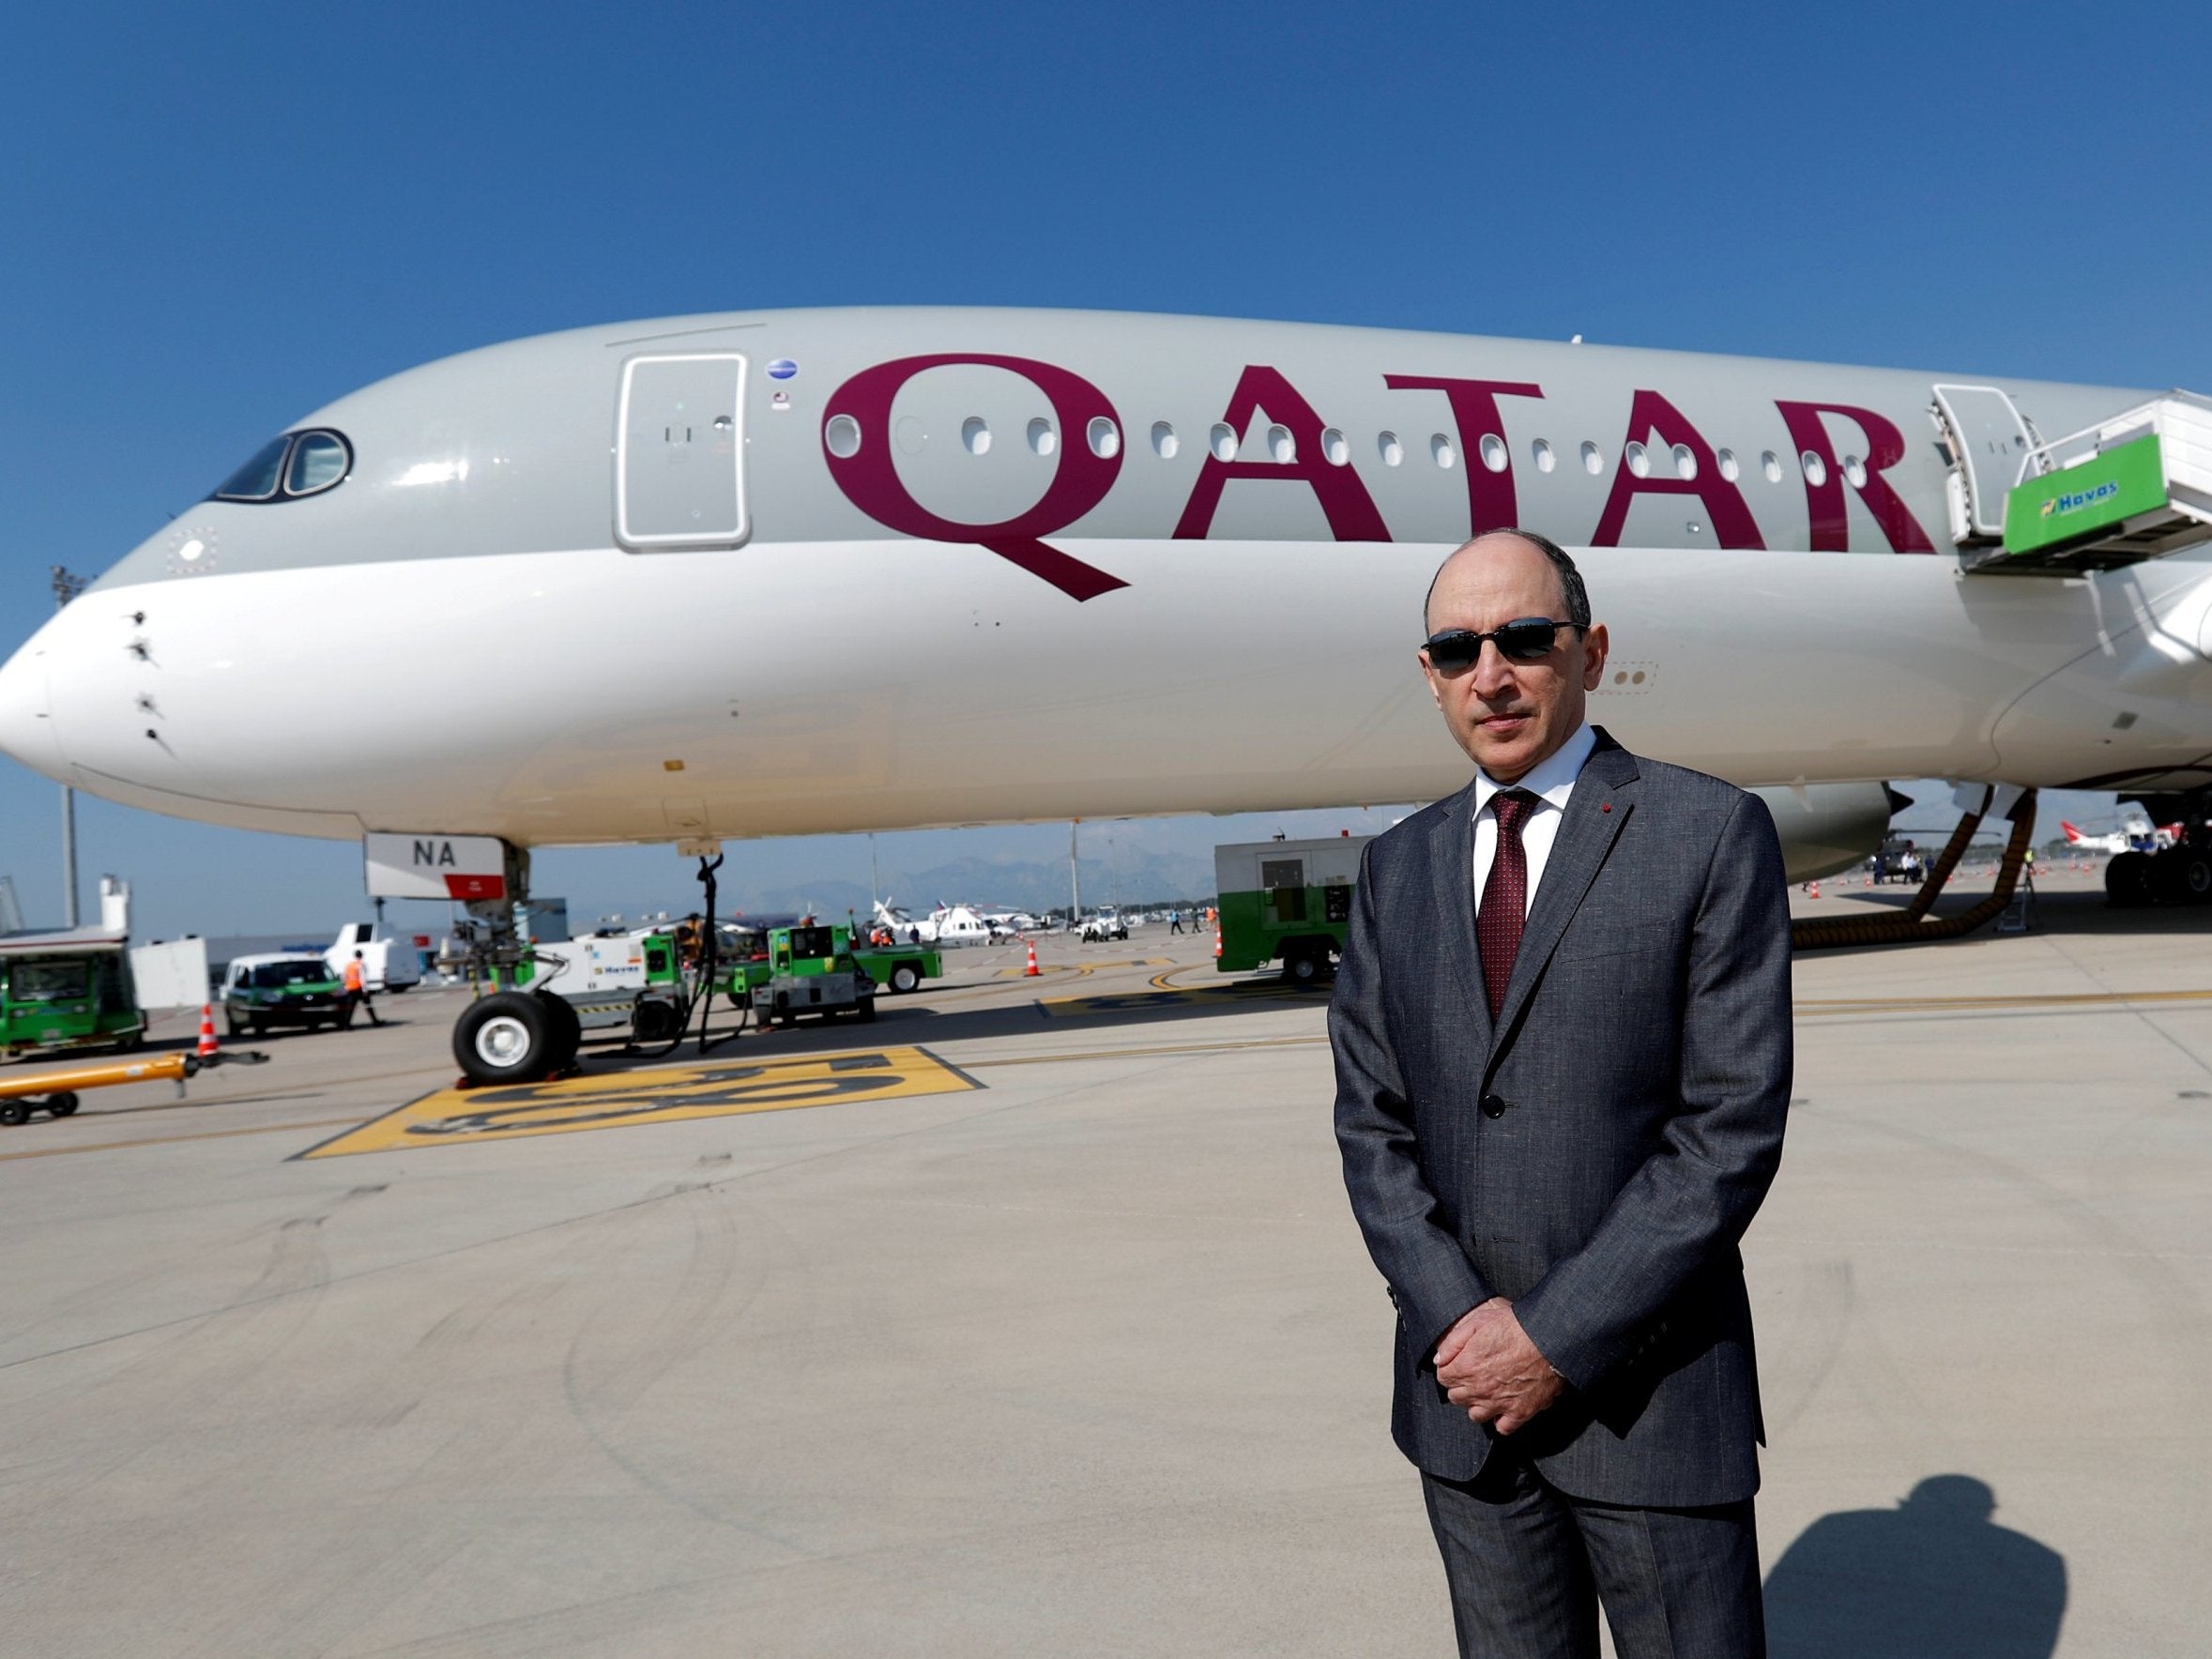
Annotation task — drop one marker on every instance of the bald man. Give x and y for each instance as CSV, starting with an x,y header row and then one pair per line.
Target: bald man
x,y
1561,1035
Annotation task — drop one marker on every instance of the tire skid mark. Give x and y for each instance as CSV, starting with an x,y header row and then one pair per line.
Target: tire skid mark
x,y
197,1372
186,1265
1800,1357
615,1358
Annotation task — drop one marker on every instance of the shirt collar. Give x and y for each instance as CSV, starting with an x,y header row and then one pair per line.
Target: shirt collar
x,y
1551,782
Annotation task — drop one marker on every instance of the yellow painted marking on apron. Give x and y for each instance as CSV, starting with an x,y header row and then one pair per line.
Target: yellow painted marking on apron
x,y
610,1099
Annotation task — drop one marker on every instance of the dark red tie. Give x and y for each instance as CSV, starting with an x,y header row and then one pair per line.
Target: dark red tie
x,y
1505,897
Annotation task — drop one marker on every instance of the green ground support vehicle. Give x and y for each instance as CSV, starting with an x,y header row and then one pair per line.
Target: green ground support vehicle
x,y
1287,899
291,988
67,990
810,973
898,969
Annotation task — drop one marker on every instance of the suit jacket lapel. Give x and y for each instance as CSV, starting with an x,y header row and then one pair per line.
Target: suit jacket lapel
x,y
1452,861
1586,835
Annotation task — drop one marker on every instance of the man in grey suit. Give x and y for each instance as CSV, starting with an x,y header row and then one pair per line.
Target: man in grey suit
x,y
1562,1034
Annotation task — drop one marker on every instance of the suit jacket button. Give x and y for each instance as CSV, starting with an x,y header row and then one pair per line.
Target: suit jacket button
x,y
1493,1106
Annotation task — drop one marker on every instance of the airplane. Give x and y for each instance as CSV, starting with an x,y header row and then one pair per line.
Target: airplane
x,y
2136,834
947,924
1166,565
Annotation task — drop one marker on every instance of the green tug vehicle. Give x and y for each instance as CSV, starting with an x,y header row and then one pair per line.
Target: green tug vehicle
x,y
1286,899
810,972
67,990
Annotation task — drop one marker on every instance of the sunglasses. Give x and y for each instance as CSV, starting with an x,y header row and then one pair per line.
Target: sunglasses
x,y
1525,639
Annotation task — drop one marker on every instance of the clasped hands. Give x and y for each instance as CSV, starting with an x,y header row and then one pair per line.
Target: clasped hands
x,y
1487,1364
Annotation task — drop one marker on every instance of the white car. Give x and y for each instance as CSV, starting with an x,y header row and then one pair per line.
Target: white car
x,y
1105,923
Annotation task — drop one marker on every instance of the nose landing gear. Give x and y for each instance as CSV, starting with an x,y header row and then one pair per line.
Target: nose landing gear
x,y
515,1035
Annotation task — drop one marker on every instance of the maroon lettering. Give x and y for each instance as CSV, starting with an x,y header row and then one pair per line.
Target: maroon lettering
x,y
1652,415
870,477
1344,501
1825,501
1490,502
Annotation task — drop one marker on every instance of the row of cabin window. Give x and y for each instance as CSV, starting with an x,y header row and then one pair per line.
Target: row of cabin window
x,y
1104,439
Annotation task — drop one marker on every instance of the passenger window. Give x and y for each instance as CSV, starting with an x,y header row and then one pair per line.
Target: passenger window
x,y
257,480
319,459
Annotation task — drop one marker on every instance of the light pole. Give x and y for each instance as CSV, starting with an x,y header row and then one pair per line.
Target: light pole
x,y
66,588
1074,877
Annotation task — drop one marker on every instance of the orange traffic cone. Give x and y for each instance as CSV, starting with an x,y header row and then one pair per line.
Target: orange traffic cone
x,y
207,1045
1032,971
1217,943
1816,889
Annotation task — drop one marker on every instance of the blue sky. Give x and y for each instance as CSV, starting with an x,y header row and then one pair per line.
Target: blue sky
x,y
217,219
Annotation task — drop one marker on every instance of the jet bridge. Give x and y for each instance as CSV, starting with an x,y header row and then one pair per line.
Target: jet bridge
x,y
2131,487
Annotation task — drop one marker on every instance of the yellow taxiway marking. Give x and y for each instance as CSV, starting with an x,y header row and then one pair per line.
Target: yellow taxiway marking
x,y
613,1098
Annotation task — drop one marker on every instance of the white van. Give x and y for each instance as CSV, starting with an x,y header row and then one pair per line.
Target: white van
x,y
391,965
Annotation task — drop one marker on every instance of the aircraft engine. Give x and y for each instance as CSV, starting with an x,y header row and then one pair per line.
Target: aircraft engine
x,y
1830,826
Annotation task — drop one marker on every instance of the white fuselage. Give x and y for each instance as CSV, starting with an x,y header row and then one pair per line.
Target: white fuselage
x,y
559,685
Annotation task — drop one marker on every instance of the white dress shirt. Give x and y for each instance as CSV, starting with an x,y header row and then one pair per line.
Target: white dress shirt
x,y
1552,783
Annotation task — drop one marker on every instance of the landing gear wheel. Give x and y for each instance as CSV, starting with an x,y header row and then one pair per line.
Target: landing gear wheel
x,y
2188,875
903,978
61,1105
655,1022
2127,881
568,1031
15,1111
505,1038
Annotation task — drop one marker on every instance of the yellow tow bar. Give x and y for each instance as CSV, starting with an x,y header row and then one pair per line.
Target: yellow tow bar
x,y
56,1092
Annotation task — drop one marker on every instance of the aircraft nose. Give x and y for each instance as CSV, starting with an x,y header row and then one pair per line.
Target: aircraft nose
x,y
27,724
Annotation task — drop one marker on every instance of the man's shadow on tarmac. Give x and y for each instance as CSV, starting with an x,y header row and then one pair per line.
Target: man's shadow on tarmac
x,y
1934,1576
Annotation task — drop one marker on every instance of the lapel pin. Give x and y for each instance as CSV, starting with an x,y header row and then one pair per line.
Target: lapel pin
x,y
1605,806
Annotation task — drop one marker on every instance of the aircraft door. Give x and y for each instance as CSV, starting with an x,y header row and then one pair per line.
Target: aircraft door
x,y
679,453
1989,439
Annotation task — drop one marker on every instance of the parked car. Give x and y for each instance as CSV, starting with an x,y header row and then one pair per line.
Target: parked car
x,y
284,989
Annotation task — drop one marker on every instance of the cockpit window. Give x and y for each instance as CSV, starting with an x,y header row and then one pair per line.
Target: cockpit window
x,y
318,461
257,480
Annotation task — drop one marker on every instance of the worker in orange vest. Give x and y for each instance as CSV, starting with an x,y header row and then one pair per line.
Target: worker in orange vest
x,y
357,993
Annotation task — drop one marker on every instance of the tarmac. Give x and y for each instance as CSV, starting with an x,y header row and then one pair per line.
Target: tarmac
x,y
1030,1319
